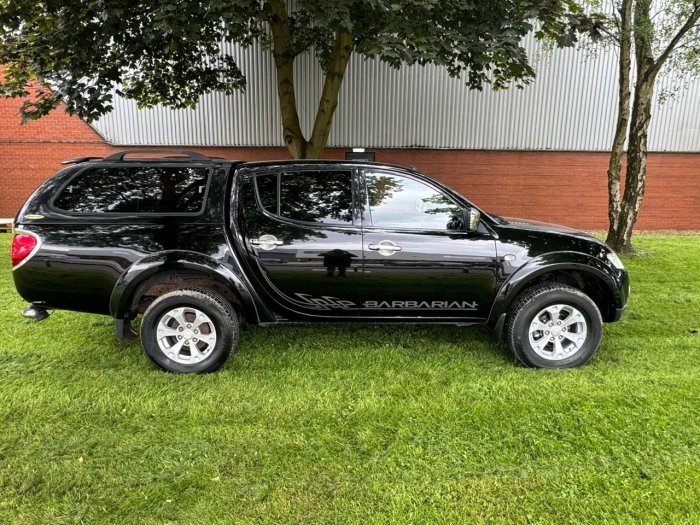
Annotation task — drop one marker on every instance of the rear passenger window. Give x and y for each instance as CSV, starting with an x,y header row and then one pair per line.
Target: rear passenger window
x,y
323,197
136,189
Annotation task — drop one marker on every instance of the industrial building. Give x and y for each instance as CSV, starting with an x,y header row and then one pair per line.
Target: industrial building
x,y
538,152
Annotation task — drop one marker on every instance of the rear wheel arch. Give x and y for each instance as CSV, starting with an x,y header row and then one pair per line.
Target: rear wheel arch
x,y
146,280
169,279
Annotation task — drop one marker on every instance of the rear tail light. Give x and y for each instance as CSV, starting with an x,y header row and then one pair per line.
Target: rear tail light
x,y
22,246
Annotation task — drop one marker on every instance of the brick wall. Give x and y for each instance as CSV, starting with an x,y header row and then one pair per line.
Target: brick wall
x,y
561,187
567,188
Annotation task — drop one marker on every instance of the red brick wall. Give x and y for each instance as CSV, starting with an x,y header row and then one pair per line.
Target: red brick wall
x,y
562,187
567,188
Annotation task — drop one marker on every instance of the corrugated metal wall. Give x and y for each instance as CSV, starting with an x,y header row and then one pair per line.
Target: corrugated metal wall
x,y
570,106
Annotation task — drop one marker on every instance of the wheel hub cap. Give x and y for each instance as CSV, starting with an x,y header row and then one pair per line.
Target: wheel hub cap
x,y
557,332
186,335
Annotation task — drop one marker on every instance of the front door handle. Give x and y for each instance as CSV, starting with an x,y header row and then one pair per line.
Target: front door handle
x,y
385,248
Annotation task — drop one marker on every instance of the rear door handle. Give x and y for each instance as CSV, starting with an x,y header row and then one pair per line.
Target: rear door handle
x,y
266,242
385,247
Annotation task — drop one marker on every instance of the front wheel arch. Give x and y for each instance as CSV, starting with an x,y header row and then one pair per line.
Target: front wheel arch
x,y
577,270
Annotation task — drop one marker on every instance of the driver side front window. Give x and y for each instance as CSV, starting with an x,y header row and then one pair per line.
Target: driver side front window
x,y
402,202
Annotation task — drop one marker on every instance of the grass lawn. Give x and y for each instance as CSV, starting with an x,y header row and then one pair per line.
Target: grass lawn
x,y
358,424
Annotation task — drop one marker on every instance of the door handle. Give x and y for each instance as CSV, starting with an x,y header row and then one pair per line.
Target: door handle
x,y
266,242
385,247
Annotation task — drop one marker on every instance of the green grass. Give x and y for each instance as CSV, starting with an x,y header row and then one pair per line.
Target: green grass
x,y
359,424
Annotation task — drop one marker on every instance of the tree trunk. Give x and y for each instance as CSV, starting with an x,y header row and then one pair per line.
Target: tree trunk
x,y
635,177
291,129
636,173
284,55
335,72
623,117
284,64
623,215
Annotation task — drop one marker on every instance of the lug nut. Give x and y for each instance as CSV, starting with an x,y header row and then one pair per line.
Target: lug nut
x,y
179,337
180,329
189,326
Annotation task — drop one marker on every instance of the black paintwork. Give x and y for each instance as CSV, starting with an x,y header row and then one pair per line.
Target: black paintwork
x,y
97,263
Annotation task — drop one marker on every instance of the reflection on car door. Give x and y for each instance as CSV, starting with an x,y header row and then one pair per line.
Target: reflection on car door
x,y
304,237
418,259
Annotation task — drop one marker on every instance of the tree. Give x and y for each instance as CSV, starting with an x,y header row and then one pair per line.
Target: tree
x,y
169,51
659,34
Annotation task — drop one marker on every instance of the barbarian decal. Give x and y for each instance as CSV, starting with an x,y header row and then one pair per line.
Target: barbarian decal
x,y
418,305
333,303
325,303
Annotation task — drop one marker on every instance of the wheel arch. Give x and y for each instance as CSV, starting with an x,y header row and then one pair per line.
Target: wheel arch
x,y
166,271
578,270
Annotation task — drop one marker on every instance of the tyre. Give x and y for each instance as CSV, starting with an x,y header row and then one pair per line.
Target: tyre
x,y
554,326
190,330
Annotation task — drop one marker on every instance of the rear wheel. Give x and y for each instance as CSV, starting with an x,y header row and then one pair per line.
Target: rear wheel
x,y
190,330
554,326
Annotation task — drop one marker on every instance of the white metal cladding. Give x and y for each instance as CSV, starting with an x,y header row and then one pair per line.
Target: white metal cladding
x,y
570,106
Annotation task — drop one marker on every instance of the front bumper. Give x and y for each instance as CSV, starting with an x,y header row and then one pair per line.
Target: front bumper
x,y
624,289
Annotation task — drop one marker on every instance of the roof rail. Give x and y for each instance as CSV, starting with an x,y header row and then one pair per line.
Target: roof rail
x,y
174,155
78,160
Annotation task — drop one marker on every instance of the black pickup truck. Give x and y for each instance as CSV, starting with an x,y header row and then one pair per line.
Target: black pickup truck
x,y
199,245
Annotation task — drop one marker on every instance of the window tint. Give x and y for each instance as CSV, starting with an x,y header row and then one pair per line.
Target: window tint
x,y
402,202
136,189
267,191
309,196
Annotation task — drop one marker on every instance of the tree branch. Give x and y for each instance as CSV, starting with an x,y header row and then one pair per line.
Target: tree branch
x,y
692,20
690,43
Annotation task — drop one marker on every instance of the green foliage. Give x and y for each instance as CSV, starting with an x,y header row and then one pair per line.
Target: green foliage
x,y
358,424
666,19
170,52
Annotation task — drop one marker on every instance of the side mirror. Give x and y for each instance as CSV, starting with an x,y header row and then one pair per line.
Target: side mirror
x,y
473,216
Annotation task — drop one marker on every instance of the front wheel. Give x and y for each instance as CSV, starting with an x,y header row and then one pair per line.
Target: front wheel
x,y
190,330
554,326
